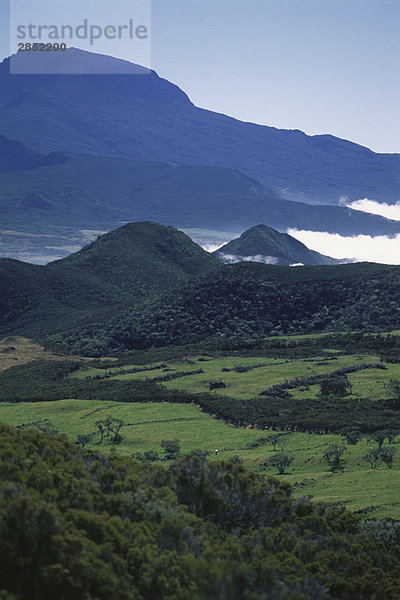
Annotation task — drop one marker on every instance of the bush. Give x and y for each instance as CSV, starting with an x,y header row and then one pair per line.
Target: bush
x,y
171,448
281,462
335,386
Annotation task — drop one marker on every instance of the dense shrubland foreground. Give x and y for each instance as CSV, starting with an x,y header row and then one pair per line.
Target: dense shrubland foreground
x,y
80,525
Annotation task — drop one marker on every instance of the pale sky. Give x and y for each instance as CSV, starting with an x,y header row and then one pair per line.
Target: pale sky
x,y
322,66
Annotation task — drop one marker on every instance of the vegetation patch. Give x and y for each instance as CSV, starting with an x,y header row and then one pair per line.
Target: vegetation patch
x,y
146,425
129,530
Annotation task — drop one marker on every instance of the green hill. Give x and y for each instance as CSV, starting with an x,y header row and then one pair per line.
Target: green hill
x,y
146,284
115,270
250,300
263,244
139,257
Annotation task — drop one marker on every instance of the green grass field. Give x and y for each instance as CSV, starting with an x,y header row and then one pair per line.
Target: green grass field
x,y
369,383
357,485
147,424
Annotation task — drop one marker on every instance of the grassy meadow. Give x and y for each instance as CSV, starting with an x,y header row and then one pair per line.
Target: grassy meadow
x,y
368,383
374,492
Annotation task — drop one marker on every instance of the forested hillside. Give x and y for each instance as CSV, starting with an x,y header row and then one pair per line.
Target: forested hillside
x,y
146,285
118,269
250,300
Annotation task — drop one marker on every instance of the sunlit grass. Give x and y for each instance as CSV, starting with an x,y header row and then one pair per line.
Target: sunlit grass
x,y
148,424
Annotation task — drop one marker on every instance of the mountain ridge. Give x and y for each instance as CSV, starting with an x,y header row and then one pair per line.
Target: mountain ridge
x,y
127,117
70,190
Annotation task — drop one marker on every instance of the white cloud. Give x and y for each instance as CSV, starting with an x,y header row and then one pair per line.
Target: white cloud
x,y
380,248
208,247
390,211
235,258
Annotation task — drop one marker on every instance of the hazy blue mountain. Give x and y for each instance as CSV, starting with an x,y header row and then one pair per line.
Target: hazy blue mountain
x,y
15,156
64,190
147,118
263,244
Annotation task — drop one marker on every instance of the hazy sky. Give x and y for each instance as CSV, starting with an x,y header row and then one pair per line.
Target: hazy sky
x,y
322,66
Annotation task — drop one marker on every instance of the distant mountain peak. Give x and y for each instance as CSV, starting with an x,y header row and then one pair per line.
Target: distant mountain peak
x,y
81,70
266,245
75,61
147,118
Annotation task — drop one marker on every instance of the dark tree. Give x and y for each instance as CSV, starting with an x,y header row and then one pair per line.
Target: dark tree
x,y
373,457
275,439
352,436
379,437
108,421
115,427
333,456
281,462
387,456
101,427
84,439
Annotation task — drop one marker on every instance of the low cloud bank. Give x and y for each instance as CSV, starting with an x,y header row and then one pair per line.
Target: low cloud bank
x,y
235,258
209,247
390,211
381,248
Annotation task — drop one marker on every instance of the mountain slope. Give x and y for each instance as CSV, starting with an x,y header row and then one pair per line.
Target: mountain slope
x,y
17,157
147,118
146,285
263,244
141,253
79,191
248,301
117,269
